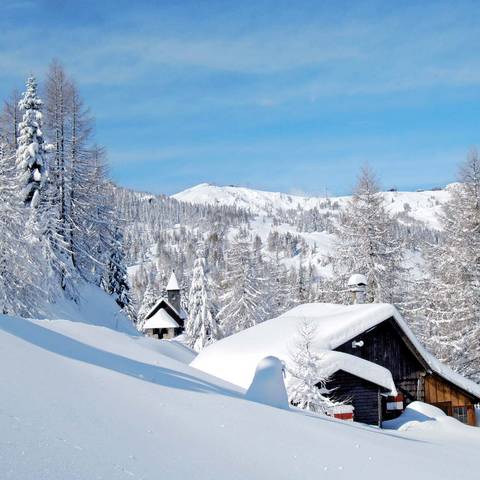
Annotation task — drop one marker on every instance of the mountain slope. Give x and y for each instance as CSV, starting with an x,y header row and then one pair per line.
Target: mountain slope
x,y
423,205
79,401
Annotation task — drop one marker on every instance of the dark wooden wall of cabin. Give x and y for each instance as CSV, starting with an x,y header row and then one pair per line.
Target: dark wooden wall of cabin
x,y
385,346
363,395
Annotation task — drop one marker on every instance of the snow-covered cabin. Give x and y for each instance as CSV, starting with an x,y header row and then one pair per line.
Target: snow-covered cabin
x,y
167,318
371,356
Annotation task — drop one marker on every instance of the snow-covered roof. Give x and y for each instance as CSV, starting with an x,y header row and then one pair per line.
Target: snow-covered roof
x,y
357,279
161,319
173,283
182,314
235,358
332,362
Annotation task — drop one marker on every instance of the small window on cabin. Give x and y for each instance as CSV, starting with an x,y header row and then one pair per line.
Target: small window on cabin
x,y
460,413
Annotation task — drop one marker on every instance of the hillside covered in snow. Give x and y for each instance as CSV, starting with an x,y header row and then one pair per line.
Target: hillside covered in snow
x,y
83,401
423,205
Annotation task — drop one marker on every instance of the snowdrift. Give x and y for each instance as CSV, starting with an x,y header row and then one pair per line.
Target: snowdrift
x,y
427,420
94,307
82,401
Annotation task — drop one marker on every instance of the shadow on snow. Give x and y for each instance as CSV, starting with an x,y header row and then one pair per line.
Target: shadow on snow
x,y
67,347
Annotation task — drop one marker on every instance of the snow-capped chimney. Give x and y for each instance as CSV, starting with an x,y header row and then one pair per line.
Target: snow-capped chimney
x,y
357,284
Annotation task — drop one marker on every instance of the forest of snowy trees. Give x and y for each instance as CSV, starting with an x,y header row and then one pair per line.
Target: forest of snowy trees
x,y
245,280
58,227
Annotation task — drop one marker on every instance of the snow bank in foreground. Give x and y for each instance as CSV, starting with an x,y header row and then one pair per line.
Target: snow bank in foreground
x,y
136,346
84,402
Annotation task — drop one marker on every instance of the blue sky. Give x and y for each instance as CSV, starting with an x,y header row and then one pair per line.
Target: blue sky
x,y
290,96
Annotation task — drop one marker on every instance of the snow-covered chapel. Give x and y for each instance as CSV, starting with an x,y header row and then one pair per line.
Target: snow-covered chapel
x,y
167,318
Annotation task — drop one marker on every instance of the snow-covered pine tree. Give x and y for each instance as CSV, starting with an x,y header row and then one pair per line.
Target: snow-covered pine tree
x,y
367,244
201,328
451,298
115,280
279,296
150,298
303,287
19,273
306,385
244,300
31,149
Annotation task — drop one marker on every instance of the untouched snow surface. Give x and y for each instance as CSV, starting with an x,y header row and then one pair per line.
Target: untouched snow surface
x,y
94,307
86,402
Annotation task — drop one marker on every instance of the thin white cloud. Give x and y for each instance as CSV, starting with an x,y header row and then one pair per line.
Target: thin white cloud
x,y
400,51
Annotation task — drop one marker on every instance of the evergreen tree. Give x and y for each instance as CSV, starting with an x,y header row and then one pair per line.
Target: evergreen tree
x,y
367,244
150,298
115,281
307,385
244,303
279,293
201,328
20,264
32,149
451,299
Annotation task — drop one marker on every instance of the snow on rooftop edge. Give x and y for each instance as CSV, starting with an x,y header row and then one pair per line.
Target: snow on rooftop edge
x,y
235,358
161,319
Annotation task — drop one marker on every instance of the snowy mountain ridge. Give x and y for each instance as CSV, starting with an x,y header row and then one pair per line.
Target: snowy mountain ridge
x,y
422,205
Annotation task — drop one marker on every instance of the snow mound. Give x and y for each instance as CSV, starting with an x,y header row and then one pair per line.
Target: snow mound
x,y
422,416
268,386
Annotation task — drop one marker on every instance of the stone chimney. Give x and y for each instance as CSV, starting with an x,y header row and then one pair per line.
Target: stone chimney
x,y
173,293
357,284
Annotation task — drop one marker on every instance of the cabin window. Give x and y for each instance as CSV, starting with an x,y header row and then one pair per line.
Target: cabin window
x,y
460,413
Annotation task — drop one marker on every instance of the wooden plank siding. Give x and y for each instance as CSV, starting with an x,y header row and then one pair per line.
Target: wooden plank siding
x,y
363,395
444,395
385,346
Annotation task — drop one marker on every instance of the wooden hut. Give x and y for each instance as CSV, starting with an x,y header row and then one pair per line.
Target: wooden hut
x,y
372,358
416,374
